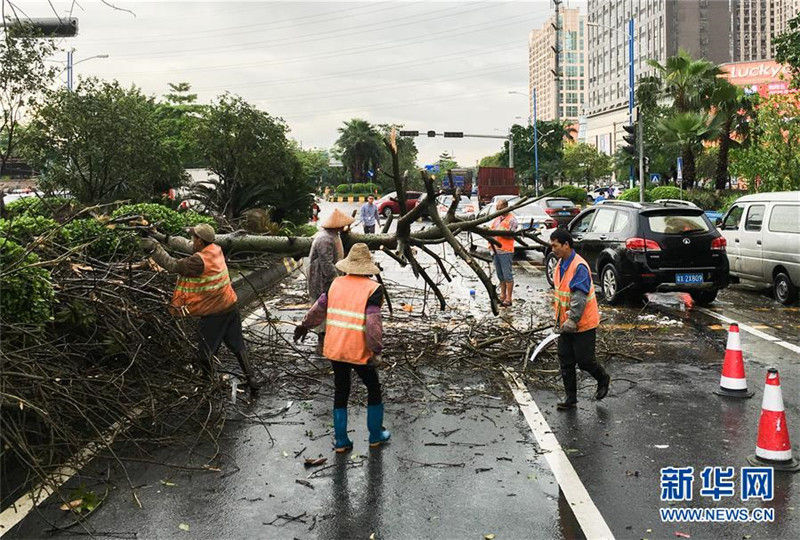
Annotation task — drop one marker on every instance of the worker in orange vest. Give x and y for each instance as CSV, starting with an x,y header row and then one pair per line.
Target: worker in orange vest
x,y
352,311
504,253
204,290
577,318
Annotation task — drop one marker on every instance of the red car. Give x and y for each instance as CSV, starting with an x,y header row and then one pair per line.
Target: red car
x,y
388,204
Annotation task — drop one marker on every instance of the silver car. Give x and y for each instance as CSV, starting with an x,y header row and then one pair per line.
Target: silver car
x,y
763,236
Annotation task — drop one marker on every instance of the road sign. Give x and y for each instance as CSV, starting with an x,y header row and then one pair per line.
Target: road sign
x,y
655,177
432,168
680,168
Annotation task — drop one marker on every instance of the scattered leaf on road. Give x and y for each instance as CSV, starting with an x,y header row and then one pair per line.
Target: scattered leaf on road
x,y
183,527
489,536
71,504
682,534
305,483
311,462
168,483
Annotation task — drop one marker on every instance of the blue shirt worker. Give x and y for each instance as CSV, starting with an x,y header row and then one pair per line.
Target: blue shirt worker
x,y
577,319
369,215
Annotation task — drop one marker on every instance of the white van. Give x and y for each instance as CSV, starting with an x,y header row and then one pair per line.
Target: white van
x,y
763,235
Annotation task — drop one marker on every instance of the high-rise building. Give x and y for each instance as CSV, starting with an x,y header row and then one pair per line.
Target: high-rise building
x,y
572,59
755,24
661,29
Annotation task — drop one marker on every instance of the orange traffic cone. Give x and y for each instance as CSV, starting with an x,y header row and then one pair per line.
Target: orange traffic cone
x,y
773,447
732,382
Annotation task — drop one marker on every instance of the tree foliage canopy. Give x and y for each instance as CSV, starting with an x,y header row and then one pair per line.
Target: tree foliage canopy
x,y
787,50
256,168
24,74
101,142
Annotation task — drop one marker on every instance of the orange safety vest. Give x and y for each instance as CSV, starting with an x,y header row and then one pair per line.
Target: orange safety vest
x,y
591,315
346,320
208,294
506,242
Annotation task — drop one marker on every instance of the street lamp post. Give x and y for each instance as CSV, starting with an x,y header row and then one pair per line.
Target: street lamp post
x,y
535,140
71,64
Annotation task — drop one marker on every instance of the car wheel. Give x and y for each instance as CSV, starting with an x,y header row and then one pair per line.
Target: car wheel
x,y
704,298
610,284
387,212
550,262
785,291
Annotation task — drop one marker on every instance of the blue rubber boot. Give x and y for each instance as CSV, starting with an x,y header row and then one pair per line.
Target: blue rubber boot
x,y
377,433
341,442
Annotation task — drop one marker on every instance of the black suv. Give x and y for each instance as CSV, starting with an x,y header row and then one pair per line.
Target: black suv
x,y
644,247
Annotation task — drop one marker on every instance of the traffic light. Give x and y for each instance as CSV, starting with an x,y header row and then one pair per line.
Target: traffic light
x,y
431,133
48,27
630,138
453,134
409,133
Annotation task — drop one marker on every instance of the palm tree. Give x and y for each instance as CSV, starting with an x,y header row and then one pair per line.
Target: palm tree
x,y
733,109
689,83
687,131
360,148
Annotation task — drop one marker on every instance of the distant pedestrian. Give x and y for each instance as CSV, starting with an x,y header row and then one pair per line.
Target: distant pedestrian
x,y
314,210
504,253
577,318
369,215
352,309
326,251
204,290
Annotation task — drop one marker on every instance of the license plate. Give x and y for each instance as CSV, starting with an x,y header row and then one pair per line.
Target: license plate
x,y
688,278
563,213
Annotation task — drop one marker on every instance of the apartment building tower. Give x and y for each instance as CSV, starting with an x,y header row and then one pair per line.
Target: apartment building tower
x,y
572,60
661,29
755,24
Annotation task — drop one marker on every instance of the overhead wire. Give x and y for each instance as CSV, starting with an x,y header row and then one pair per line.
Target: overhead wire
x,y
315,36
360,49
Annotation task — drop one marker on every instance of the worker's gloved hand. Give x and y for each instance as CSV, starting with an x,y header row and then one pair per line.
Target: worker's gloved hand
x,y
148,244
569,327
300,333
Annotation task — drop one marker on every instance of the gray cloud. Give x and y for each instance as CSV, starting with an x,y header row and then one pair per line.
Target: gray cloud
x,y
428,65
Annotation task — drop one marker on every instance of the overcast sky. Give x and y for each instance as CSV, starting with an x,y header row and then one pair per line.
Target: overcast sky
x,y
428,65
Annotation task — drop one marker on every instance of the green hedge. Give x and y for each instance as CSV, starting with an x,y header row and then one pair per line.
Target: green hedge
x,y
27,292
573,193
165,219
35,206
357,188
632,194
25,228
103,242
665,192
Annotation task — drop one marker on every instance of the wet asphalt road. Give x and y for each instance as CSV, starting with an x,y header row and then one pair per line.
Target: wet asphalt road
x,y
660,412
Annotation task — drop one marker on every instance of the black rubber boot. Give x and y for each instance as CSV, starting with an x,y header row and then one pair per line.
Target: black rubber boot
x,y
247,369
602,387
570,379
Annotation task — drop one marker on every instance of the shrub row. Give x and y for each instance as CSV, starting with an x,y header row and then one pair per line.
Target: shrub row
x,y
357,188
27,291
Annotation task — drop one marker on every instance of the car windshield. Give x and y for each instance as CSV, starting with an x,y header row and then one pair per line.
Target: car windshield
x,y
560,203
677,223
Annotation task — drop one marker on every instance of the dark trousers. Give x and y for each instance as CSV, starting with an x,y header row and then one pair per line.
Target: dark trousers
x,y
578,349
341,382
369,229
222,328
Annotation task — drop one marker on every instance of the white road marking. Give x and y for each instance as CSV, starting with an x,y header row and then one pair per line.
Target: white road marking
x,y
751,330
587,514
23,506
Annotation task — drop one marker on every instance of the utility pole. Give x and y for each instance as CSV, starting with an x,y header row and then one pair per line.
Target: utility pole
x,y
640,122
557,50
631,95
535,147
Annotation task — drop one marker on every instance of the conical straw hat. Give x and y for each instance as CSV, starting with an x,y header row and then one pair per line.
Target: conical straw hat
x,y
358,261
337,220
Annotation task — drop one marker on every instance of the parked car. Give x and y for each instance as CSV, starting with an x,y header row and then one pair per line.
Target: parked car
x,y
388,204
528,217
465,209
640,247
763,234
559,208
